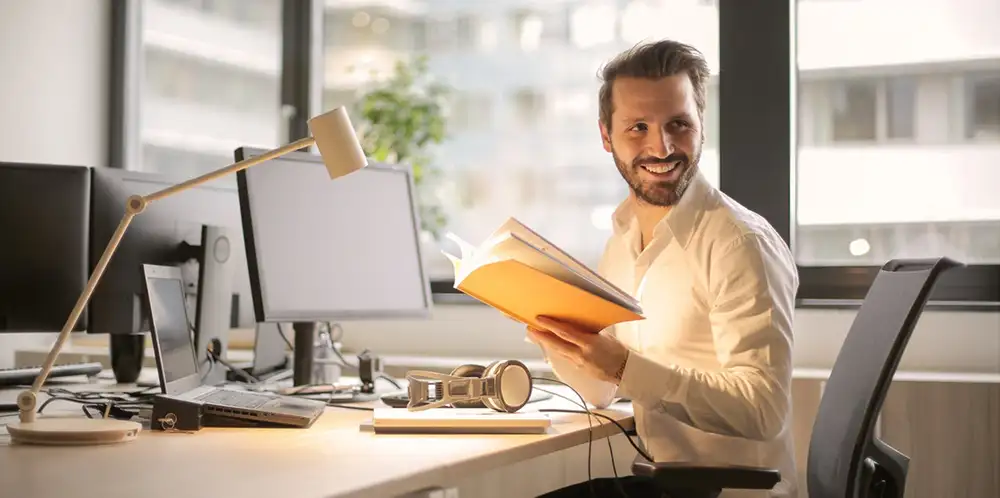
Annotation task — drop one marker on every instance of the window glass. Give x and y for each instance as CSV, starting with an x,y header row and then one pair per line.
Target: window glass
x,y
521,110
899,135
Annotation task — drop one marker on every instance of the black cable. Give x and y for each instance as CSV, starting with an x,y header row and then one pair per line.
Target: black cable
x,y
625,432
391,381
609,419
336,351
590,435
284,337
232,368
349,407
589,413
208,371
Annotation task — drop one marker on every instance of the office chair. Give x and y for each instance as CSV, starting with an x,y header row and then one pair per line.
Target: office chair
x,y
846,460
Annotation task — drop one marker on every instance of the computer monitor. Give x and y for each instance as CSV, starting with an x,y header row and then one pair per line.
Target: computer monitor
x,y
170,231
163,235
44,228
322,250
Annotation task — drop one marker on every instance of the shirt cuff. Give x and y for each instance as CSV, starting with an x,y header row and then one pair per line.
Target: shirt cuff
x,y
645,381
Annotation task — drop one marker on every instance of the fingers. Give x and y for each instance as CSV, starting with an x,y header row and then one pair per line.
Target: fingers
x,y
565,331
549,340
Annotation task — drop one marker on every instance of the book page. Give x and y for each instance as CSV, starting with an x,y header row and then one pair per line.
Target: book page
x,y
513,246
512,225
472,257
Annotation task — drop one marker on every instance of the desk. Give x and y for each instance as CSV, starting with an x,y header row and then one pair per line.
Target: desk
x,y
333,458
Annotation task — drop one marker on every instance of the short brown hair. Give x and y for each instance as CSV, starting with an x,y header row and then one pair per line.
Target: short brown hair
x,y
654,60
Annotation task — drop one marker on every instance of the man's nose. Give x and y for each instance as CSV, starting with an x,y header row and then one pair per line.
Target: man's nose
x,y
659,145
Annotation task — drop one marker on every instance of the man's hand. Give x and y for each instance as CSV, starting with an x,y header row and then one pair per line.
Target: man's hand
x,y
598,355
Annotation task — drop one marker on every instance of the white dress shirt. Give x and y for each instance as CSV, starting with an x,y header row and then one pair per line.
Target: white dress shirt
x,y
709,373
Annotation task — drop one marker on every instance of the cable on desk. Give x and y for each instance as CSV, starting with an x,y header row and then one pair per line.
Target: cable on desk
x,y
111,408
391,381
331,326
349,407
232,368
589,413
281,332
631,441
590,431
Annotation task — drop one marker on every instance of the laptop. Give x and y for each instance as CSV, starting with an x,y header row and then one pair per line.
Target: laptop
x,y
177,366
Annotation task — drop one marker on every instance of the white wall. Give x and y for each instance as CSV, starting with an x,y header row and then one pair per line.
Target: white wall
x,y
53,93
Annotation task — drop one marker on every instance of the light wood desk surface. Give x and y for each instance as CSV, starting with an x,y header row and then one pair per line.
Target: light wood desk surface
x,y
333,458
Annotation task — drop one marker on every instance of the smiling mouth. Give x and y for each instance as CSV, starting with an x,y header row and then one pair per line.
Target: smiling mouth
x,y
660,168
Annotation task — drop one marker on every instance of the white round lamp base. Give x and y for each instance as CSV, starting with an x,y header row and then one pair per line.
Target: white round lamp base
x,y
67,431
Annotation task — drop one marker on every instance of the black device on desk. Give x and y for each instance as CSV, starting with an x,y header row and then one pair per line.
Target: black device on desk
x,y
199,231
45,222
184,395
343,250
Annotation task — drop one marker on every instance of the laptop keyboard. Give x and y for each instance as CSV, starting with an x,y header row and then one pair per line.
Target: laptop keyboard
x,y
235,399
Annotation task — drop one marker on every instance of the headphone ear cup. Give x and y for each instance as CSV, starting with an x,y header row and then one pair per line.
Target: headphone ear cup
x,y
469,370
513,386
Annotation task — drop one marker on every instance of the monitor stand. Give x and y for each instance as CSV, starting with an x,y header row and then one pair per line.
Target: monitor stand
x,y
212,316
302,363
213,313
128,351
127,354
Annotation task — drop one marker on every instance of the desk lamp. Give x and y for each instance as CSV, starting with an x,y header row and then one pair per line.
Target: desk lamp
x,y
338,145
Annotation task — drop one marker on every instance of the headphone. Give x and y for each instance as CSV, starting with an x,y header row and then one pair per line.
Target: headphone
x,y
503,386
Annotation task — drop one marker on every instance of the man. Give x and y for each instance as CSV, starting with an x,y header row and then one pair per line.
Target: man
x,y
709,368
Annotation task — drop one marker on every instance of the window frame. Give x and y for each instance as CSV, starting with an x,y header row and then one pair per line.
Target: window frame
x,y
300,79
757,131
757,48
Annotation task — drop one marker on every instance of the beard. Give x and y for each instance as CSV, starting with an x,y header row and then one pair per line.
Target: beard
x,y
658,192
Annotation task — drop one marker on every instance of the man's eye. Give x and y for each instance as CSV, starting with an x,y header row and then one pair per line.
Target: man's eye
x,y
640,127
680,124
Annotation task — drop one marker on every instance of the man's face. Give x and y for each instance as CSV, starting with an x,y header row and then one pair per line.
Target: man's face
x,y
655,136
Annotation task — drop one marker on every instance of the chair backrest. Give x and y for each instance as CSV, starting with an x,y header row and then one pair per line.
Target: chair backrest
x,y
845,458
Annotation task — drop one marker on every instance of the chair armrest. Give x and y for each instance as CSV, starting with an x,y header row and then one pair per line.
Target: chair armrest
x,y
692,476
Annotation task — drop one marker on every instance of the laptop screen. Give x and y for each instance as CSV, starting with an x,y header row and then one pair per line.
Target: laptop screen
x,y
171,331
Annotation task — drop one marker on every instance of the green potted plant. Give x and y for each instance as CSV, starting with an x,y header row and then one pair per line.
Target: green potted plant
x,y
400,119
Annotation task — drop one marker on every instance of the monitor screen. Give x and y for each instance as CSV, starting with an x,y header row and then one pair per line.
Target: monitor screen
x,y
44,227
171,329
322,249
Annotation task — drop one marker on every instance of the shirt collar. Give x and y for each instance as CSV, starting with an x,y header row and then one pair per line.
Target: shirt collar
x,y
682,219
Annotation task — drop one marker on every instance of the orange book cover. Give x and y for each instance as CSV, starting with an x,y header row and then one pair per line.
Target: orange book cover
x,y
522,275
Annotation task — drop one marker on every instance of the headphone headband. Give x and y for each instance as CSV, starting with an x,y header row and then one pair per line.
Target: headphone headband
x,y
504,386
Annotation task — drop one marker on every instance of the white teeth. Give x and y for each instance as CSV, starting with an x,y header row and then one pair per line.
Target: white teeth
x,y
660,169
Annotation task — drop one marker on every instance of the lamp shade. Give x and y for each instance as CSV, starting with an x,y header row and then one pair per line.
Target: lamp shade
x,y
337,142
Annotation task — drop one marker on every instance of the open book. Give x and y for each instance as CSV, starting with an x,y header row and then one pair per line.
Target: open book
x,y
524,276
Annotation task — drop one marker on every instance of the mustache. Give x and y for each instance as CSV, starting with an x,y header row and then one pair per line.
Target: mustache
x,y
676,156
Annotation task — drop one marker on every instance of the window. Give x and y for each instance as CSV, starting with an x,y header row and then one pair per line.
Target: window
x,y
984,108
521,137
901,101
891,184
210,83
855,104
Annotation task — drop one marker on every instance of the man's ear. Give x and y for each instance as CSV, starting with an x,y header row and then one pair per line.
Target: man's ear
x,y
605,136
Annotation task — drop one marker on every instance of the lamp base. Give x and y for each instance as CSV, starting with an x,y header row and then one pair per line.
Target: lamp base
x,y
67,431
